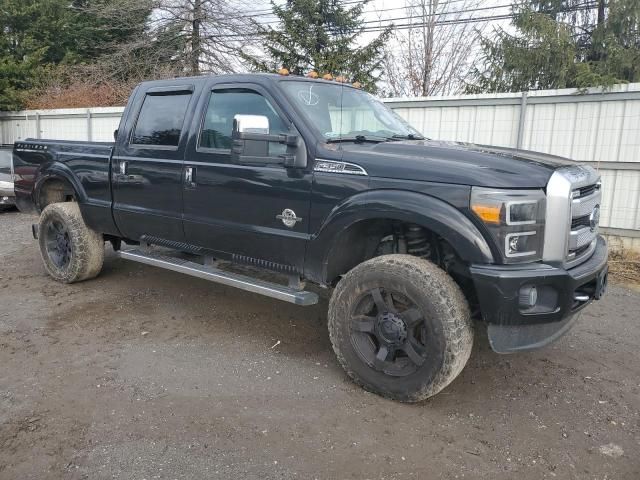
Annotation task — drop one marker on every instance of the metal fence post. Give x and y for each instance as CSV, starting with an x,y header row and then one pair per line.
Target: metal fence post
x,y
89,126
38,134
521,122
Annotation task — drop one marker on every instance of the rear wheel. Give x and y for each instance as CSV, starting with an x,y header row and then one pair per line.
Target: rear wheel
x,y
70,250
400,327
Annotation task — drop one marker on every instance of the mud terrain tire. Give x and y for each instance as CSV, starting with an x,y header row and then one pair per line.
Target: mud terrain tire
x,y
425,328
70,250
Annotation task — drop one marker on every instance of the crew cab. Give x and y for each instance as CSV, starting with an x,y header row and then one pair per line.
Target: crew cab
x,y
419,240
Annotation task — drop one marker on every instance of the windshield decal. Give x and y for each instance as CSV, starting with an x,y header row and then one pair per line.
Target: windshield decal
x,y
309,98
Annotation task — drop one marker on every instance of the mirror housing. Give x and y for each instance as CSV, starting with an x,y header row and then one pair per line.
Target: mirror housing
x,y
251,124
251,139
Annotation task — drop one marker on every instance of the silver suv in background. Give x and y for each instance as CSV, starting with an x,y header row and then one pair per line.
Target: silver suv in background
x,y
7,195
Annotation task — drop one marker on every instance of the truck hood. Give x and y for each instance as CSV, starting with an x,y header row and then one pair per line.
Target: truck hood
x,y
454,162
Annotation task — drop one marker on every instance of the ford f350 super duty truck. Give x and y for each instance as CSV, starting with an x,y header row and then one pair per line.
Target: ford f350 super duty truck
x,y
320,182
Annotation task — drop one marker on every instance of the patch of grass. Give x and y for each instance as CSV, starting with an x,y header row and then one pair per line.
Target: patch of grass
x,y
624,264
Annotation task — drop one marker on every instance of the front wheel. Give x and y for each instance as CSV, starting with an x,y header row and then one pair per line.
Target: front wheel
x,y
70,250
400,327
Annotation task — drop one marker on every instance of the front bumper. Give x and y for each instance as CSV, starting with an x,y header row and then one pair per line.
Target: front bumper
x,y
561,295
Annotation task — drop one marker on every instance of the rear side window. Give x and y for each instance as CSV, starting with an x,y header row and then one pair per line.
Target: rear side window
x,y
160,120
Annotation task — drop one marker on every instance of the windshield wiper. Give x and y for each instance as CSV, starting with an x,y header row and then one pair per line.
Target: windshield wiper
x,y
358,139
409,136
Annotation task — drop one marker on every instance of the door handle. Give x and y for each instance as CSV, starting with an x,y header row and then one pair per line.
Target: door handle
x,y
189,176
123,168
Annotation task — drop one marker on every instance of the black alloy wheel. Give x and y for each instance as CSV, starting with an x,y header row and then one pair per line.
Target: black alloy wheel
x,y
400,327
388,332
58,243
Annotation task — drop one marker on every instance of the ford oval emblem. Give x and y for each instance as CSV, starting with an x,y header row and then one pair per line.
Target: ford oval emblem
x,y
594,218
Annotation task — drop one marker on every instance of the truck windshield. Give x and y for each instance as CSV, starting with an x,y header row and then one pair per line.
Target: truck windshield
x,y
343,113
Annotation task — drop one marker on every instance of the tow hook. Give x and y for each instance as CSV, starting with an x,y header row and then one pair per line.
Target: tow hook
x,y
34,231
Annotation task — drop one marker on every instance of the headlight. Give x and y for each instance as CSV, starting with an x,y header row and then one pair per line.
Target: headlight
x,y
515,219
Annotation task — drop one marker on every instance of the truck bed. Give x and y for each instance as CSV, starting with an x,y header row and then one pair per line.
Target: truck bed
x,y
86,166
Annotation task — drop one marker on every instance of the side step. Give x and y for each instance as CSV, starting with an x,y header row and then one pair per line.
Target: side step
x,y
213,274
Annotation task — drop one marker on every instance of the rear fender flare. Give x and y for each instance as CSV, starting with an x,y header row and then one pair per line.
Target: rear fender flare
x,y
58,171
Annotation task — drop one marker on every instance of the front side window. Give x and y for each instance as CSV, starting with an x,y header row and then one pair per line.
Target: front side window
x,y
161,119
343,112
224,105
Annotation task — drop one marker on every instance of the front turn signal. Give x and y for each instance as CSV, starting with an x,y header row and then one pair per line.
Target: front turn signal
x,y
488,213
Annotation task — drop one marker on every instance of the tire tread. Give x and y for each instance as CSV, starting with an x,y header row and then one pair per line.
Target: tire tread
x,y
454,315
87,244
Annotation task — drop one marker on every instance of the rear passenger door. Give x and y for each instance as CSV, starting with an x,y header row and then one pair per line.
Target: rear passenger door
x,y
147,165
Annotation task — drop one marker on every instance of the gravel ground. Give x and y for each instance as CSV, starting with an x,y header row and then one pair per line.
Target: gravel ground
x,y
144,374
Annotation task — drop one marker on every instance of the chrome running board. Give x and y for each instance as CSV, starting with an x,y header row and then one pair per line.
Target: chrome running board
x,y
214,274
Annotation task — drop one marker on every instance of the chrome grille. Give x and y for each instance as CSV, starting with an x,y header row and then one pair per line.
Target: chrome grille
x,y
584,202
573,193
581,206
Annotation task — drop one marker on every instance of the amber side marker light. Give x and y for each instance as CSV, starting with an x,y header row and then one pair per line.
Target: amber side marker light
x,y
488,214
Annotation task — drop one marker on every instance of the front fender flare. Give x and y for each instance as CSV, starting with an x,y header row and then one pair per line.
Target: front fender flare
x,y
429,212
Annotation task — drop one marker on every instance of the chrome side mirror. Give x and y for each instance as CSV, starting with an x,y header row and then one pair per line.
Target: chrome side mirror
x,y
251,124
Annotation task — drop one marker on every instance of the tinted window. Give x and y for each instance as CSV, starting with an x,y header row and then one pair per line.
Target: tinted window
x,y
160,120
224,105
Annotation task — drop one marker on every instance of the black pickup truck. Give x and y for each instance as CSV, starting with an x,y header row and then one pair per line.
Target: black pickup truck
x,y
319,182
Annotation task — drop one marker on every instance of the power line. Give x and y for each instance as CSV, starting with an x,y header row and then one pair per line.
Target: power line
x,y
586,6
418,17
407,26
269,11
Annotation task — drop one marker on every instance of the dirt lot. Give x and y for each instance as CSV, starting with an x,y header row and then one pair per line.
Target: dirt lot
x,y
144,374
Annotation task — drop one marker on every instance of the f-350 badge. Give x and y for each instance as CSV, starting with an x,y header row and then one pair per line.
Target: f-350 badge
x,y
289,218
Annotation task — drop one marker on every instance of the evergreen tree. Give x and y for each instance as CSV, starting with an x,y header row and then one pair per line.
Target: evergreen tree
x,y
615,47
38,35
539,56
28,41
562,43
321,35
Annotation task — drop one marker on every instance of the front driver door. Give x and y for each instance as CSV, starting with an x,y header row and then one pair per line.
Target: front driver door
x,y
237,209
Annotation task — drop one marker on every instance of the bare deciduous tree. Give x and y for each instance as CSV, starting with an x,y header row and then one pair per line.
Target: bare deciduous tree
x,y
172,38
432,55
213,31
